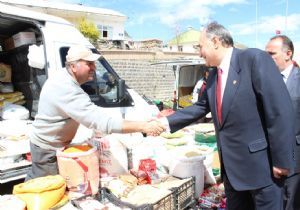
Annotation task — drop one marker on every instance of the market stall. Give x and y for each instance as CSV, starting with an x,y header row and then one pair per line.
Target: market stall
x,y
172,171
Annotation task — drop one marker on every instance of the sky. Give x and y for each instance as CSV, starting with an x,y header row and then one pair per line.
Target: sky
x,y
250,22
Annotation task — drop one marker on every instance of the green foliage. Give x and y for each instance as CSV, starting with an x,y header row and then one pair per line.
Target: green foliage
x,y
89,30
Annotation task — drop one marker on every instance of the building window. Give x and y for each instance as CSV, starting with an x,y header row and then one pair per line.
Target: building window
x,y
180,48
106,32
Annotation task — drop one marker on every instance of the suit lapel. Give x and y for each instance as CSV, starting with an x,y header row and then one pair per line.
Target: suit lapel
x,y
232,84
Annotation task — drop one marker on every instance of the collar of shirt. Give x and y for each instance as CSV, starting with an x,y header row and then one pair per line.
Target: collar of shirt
x,y
225,64
286,72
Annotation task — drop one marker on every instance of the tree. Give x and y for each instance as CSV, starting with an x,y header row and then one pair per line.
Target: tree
x,y
89,30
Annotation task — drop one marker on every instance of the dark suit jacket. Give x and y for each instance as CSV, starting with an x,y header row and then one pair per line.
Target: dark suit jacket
x,y
257,131
293,86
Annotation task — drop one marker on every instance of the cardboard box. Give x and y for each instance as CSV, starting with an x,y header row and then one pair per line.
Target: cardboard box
x,y
23,38
9,44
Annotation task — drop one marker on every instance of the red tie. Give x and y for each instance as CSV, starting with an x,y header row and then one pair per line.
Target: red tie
x,y
202,88
219,95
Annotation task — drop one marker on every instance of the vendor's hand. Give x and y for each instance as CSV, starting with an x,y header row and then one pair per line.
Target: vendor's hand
x,y
153,128
279,172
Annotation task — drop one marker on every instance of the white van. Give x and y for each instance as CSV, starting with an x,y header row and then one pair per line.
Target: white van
x,y
35,46
54,36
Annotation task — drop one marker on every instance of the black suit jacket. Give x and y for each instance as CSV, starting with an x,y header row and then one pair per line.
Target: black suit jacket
x,y
257,131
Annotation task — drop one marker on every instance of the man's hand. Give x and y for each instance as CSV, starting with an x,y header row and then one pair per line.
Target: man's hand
x,y
279,172
153,128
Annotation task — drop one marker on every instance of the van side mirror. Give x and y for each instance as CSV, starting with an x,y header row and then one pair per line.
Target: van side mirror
x,y
121,89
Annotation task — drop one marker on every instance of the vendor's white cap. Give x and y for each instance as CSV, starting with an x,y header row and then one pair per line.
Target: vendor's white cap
x,y
81,52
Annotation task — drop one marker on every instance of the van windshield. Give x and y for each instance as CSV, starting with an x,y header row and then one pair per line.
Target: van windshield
x,y
104,83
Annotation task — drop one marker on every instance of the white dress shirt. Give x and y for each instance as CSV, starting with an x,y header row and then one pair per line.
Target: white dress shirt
x,y
225,64
286,72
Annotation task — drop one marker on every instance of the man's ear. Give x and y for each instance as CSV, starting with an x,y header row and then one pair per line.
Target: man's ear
x,y
288,55
216,42
74,67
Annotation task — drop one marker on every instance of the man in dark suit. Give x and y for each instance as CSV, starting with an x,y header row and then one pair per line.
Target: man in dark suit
x,y
252,113
281,49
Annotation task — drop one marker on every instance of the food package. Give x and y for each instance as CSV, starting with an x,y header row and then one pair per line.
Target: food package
x,y
213,197
184,163
141,176
14,112
149,167
185,101
145,194
42,192
9,202
113,156
119,187
79,165
88,202
36,57
63,201
177,134
6,87
5,72
13,97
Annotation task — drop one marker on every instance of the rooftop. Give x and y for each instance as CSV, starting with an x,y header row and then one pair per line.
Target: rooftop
x,y
63,6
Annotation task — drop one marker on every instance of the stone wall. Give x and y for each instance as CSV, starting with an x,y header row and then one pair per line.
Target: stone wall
x,y
154,81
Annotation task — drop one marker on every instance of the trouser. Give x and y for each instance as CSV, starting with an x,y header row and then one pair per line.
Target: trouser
x,y
44,162
291,197
266,198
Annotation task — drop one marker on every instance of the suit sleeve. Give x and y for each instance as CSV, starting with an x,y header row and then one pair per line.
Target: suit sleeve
x,y
273,97
188,115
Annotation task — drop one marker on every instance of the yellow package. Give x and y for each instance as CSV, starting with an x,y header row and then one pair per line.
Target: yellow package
x,y
78,148
41,193
11,95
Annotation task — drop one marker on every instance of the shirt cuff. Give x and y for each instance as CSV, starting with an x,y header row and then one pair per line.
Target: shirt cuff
x,y
164,121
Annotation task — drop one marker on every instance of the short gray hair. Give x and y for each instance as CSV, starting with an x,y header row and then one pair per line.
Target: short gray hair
x,y
215,29
68,64
287,43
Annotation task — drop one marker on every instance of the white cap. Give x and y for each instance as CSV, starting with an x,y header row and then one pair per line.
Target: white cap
x,y
81,52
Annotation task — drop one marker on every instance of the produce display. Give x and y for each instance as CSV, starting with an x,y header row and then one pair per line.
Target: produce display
x,y
164,172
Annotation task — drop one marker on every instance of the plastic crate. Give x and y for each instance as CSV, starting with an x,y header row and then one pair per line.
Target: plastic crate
x,y
184,195
166,203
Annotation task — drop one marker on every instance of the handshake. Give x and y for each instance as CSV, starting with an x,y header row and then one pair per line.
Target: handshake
x,y
154,127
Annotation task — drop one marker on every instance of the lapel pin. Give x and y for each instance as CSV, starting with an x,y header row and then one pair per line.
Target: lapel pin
x,y
234,82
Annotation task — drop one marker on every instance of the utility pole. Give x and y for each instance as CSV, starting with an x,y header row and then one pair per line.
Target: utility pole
x,y
286,15
256,23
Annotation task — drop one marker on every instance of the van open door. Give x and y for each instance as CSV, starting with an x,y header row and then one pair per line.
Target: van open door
x,y
186,75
